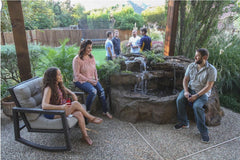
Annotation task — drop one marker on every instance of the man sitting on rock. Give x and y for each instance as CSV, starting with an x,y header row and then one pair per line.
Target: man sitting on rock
x,y
197,83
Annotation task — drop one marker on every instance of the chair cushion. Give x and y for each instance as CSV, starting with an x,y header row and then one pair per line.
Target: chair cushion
x,y
44,123
29,95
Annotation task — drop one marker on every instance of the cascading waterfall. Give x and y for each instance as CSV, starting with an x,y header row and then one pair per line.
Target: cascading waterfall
x,y
141,86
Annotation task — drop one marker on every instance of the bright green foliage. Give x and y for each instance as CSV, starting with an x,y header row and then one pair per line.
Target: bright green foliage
x,y
155,15
62,58
78,13
37,14
99,55
126,18
107,69
153,58
63,13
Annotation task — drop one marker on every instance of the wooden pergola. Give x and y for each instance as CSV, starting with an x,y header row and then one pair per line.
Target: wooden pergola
x,y
19,34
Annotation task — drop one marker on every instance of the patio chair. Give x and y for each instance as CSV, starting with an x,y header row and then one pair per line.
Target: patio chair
x,y
28,97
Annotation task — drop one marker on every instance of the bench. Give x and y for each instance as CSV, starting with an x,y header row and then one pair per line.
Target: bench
x,y
98,42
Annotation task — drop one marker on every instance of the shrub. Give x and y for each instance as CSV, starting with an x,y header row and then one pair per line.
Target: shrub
x,y
107,69
230,102
60,57
157,47
9,69
124,48
126,18
153,58
157,35
224,55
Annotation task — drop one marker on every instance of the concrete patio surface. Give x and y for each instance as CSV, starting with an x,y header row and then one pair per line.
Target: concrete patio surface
x,y
118,140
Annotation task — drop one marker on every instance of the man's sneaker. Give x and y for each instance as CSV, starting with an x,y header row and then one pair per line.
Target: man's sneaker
x,y
181,125
205,138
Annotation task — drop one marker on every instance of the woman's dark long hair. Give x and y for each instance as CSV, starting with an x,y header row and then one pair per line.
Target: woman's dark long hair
x,y
83,47
50,80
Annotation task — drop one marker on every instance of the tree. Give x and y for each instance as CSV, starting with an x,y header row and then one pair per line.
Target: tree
x,y
5,19
78,13
98,19
198,22
62,13
155,15
37,14
125,18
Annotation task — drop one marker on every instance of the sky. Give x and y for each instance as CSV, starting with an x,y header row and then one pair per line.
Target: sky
x,y
96,4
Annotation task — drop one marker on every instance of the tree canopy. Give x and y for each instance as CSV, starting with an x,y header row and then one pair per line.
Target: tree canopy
x,y
47,14
155,15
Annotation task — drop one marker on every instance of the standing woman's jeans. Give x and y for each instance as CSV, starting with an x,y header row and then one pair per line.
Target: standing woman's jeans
x,y
198,109
92,92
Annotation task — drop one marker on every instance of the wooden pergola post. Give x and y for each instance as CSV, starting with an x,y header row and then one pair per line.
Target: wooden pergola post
x,y
2,39
171,28
20,40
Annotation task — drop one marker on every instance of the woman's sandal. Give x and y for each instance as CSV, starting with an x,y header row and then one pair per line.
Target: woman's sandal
x,y
96,120
87,140
108,115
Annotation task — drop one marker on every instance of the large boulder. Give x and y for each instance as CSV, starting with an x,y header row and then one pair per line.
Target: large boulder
x,y
151,95
131,107
136,107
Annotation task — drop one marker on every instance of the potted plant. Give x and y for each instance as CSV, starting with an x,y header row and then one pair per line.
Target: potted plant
x,y
7,104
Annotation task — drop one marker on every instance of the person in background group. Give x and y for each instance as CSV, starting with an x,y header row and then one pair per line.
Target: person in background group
x,y
134,43
109,46
54,97
86,78
116,43
145,41
197,84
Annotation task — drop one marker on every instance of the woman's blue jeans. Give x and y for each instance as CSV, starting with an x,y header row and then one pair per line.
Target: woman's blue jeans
x,y
198,110
92,91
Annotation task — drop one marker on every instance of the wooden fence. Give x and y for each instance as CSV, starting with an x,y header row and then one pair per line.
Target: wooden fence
x,y
52,37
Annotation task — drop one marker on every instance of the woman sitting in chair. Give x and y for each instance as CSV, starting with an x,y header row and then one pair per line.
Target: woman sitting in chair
x,y
85,76
54,98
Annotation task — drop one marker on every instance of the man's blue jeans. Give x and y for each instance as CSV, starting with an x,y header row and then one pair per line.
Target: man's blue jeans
x,y
92,91
198,110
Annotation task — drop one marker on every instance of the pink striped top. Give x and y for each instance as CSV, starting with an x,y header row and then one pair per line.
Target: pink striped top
x,y
61,100
84,70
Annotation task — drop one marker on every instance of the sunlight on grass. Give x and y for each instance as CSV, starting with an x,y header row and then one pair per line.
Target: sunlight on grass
x,y
99,55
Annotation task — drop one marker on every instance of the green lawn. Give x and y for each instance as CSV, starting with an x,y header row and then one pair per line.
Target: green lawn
x,y
100,55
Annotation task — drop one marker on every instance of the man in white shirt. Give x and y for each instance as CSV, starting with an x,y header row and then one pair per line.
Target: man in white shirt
x,y
134,42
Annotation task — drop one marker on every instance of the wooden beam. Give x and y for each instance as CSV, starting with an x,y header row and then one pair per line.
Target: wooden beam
x,y
20,40
171,28
2,39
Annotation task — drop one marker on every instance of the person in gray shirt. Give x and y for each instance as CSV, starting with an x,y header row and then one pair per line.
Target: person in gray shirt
x,y
116,43
197,84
